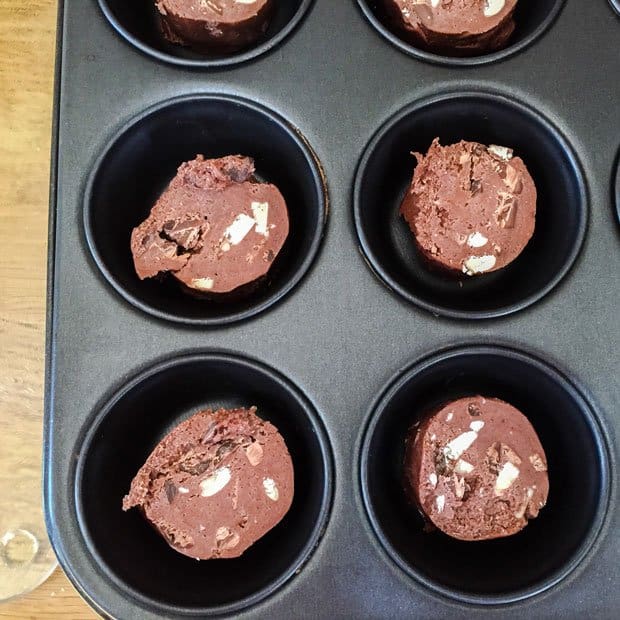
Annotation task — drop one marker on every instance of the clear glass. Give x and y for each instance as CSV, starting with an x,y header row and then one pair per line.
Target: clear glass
x,y
26,556
27,48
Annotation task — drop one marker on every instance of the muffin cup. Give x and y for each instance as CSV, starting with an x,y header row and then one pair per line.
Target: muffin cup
x,y
552,545
615,5
384,174
122,434
616,187
138,23
532,19
143,157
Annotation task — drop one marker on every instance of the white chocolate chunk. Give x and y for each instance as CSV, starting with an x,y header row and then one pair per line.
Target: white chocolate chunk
x,y
502,152
441,502
477,425
459,488
449,417
271,489
433,479
455,448
203,284
493,7
477,240
215,482
238,230
506,477
478,264
260,211
463,467
183,490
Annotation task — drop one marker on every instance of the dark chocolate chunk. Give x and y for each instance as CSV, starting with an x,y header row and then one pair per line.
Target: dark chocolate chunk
x,y
476,476
171,491
214,499
473,409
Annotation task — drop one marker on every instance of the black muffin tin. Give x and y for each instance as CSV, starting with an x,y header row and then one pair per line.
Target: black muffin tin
x,y
351,337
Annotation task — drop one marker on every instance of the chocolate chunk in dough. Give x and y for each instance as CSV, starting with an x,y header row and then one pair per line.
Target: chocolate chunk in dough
x,y
471,208
476,469
219,25
454,27
215,484
214,228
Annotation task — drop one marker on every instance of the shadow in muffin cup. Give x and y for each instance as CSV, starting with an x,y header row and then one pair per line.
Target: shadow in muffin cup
x,y
138,23
384,174
532,20
552,545
140,161
123,433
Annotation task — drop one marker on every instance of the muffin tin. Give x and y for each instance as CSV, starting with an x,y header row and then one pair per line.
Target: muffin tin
x,y
351,337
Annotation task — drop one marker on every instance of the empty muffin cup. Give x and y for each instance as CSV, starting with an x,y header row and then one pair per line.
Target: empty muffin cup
x,y
142,158
552,545
384,174
532,20
139,24
615,5
123,432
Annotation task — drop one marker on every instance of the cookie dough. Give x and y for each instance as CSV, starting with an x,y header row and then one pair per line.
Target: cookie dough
x,y
454,27
476,469
218,25
471,208
215,484
215,228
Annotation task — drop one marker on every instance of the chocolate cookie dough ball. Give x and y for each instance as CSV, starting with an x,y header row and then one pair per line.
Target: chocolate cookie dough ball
x,y
214,228
454,27
476,469
216,484
471,208
219,25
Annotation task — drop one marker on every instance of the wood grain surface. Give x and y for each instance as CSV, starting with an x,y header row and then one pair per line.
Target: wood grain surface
x,y
27,47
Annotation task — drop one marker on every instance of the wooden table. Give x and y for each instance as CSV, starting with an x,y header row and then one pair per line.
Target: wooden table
x,y
27,47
